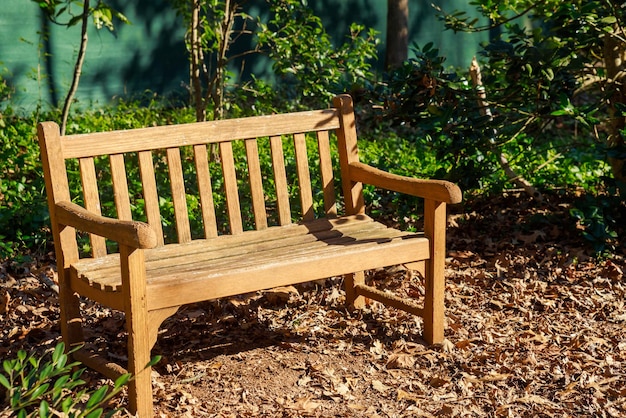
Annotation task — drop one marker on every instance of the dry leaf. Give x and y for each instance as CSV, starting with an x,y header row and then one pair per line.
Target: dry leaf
x,y
306,405
406,396
380,386
438,382
400,361
5,299
281,294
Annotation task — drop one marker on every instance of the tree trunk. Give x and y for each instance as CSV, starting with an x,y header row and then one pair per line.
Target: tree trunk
x,y
615,62
196,62
78,67
397,50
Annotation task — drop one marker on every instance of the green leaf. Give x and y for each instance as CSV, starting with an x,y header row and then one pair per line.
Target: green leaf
x,y
97,397
45,372
609,20
95,414
36,394
58,351
44,409
122,380
9,366
66,404
154,361
5,382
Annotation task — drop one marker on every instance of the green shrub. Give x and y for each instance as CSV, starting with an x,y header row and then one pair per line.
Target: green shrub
x,y
23,209
50,386
310,70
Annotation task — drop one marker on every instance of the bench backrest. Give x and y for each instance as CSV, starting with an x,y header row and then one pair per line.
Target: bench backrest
x,y
165,175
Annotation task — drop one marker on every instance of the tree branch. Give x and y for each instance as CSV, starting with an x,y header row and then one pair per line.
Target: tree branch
x,y
485,110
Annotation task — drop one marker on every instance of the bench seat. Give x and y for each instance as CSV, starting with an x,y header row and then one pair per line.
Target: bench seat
x,y
254,260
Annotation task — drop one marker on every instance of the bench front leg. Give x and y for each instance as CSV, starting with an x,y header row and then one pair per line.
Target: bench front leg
x,y
435,231
133,270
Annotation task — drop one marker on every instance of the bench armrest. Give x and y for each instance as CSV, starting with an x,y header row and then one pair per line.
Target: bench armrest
x,y
439,190
131,233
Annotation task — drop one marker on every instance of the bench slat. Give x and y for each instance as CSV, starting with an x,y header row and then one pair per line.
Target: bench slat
x,y
242,277
230,188
187,256
326,173
162,137
179,199
150,194
280,180
304,177
256,184
216,258
120,187
92,200
107,266
205,190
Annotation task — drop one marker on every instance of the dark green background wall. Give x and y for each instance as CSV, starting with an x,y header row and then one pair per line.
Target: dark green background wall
x,y
149,54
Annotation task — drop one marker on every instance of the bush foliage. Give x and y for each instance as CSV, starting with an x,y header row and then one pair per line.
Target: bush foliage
x,y
551,107
50,385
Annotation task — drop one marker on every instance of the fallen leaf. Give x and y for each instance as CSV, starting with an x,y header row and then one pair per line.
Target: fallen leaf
x,y
306,405
400,361
380,386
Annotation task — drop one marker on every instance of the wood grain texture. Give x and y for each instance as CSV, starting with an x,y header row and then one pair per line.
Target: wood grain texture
x,y
132,267
91,197
179,197
205,190
280,180
440,190
326,174
348,154
231,191
265,257
304,177
150,194
175,136
256,184
132,233
120,187
435,282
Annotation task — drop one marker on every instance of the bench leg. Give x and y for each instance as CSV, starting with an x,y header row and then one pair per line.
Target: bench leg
x,y
134,288
435,230
70,319
350,281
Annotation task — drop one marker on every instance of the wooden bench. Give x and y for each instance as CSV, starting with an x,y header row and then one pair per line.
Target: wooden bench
x,y
301,231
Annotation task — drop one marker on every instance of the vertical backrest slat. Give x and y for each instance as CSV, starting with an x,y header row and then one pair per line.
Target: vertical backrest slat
x,y
177,183
205,190
326,173
150,194
256,184
304,177
280,180
120,187
92,201
230,188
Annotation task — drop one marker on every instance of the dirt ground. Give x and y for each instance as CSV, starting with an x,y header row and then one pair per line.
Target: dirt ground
x,y
534,327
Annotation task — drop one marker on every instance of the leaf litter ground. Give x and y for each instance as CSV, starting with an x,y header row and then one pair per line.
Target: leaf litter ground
x,y
534,327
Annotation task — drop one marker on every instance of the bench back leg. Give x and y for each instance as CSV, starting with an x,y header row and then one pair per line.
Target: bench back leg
x,y
353,300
